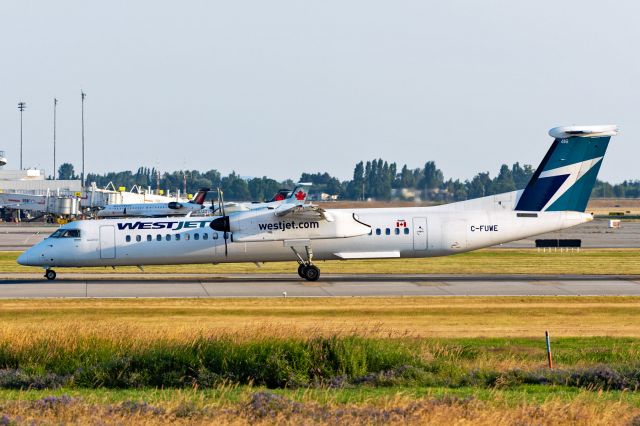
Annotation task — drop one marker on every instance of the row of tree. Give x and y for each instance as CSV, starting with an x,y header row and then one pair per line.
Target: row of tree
x,y
375,179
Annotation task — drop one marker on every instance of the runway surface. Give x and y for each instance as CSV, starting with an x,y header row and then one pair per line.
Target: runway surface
x,y
254,285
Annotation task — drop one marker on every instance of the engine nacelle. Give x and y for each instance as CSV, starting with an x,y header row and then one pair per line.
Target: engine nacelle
x,y
264,225
175,205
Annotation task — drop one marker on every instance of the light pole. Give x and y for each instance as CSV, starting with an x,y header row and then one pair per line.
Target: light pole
x,y
55,104
82,96
184,184
21,107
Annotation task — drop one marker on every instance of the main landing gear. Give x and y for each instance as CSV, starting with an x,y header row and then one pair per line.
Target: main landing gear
x,y
307,269
50,274
309,272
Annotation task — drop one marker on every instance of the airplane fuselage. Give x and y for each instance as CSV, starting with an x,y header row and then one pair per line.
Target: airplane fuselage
x,y
555,198
149,210
393,233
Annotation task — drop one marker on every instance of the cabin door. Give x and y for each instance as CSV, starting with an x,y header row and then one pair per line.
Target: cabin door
x,y
419,233
107,242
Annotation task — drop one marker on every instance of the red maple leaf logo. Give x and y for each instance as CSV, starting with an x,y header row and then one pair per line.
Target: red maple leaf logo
x,y
300,195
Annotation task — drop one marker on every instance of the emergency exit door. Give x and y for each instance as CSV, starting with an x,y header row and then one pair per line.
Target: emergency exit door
x,y
107,242
419,233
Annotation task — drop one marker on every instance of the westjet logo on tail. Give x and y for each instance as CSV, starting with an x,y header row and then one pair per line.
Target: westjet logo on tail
x,y
565,178
571,173
175,226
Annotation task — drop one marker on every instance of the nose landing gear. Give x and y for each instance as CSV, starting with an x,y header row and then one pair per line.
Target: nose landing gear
x,y
50,274
307,269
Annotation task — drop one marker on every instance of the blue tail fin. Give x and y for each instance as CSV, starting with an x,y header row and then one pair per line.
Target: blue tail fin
x,y
566,176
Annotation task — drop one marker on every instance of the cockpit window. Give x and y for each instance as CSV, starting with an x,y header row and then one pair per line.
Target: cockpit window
x,y
66,233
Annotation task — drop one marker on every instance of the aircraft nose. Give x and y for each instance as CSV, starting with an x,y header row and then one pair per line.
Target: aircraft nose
x,y
24,258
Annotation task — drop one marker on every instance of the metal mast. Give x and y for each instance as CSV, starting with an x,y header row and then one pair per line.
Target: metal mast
x,y
55,104
82,95
21,107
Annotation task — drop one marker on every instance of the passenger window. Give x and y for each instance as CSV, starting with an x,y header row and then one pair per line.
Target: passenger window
x,y
138,238
158,237
406,231
205,236
168,237
128,238
397,231
378,231
149,238
187,237
196,236
177,237
387,231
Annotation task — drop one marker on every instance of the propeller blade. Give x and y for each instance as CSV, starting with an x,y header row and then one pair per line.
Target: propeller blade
x,y
222,223
218,199
226,236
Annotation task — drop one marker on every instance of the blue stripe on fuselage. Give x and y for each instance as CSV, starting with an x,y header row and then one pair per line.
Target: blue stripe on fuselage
x,y
172,225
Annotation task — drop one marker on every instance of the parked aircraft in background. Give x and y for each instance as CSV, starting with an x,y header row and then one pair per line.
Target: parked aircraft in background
x,y
283,194
173,208
555,198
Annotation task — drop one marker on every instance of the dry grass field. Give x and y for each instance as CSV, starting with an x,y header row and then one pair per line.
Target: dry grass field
x,y
239,406
183,319
482,360
603,206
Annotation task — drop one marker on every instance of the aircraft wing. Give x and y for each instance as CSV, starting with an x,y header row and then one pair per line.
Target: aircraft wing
x,y
231,207
10,206
307,211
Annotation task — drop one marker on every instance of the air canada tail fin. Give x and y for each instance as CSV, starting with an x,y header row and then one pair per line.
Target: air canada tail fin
x,y
200,196
280,195
297,196
568,171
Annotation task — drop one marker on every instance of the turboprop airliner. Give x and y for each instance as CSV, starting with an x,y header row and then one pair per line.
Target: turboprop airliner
x,y
279,197
173,208
555,198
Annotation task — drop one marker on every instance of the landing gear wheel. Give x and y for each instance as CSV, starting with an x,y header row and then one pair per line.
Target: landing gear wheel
x,y
50,274
311,273
301,270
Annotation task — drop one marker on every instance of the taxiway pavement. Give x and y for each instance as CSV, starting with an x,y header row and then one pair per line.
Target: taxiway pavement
x,y
254,285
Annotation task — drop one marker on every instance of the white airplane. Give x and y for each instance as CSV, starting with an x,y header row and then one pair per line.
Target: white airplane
x,y
280,196
555,198
173,208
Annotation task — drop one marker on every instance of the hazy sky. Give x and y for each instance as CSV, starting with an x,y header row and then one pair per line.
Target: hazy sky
x,y
279,87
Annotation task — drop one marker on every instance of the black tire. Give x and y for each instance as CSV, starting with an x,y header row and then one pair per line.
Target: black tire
x,y
301,271
50,274
311,273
